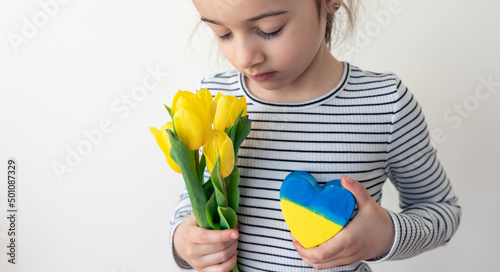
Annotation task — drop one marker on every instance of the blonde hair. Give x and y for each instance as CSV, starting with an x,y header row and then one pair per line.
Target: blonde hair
x,y
338,29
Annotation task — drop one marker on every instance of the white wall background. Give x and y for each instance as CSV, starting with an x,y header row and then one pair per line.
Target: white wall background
x,y
71,69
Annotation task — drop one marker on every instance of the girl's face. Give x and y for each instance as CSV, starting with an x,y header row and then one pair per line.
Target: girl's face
x,y
273,43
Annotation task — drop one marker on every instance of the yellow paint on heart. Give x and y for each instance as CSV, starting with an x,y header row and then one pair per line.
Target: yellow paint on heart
x,y
309,228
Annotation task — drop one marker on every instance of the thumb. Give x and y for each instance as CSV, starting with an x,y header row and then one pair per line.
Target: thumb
x,y
357,189
209,236
229,234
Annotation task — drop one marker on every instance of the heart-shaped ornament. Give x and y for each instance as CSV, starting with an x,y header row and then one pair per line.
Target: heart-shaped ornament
x,y
314,213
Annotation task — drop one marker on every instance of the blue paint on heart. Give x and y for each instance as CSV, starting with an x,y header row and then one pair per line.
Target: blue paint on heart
x,y
331,200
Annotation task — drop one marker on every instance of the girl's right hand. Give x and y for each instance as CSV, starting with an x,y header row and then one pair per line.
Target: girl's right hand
x,y
206,250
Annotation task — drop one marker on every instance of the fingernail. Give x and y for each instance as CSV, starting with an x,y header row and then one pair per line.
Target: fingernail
x,y
348,179
233,235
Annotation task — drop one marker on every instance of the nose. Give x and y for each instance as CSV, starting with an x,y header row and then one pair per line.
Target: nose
x,y
248,53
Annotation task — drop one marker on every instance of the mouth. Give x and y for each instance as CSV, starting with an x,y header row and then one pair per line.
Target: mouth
x,y
263,76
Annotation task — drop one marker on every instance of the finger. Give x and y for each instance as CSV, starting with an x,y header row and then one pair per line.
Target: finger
x,y
201,250
293,237
205,236
221,255
325,262
357,189
320,254
224,266
191,220
309,256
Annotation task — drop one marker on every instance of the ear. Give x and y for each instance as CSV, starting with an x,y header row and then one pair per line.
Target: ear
x,y
330,6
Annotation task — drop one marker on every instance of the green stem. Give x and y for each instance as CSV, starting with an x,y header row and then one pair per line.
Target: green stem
x,y
185,158
196,192
225,191
197,161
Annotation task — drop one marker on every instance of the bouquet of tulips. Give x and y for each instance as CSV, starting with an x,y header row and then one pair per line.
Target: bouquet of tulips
x,y
218,126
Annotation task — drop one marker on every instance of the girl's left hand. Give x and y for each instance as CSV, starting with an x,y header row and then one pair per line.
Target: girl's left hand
x,y
368,235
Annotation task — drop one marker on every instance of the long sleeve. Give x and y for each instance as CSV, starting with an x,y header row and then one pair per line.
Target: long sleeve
x,y
182,211
430,213
369,127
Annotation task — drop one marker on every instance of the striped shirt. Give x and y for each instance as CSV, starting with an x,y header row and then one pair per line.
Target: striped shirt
x,y
369,127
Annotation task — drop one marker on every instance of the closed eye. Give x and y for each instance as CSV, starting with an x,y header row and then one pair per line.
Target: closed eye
x,y
268,36
264,35
225,37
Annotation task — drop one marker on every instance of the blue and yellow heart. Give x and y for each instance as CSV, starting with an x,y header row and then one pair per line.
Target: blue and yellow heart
x,y
314,213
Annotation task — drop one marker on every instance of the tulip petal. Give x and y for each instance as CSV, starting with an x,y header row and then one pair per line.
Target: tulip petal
x,y
201,104
208,161
178,96
222,115
209,111
218,96
228,110
234,111
164,143
210,150
191,101
219,144
227,158
242,104
189,128
206,98
159,139
194,103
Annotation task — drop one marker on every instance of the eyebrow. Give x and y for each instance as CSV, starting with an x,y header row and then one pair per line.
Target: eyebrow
x,y
253,19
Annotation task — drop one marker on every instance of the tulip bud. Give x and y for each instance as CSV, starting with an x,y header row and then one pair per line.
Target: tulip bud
x,y
219,145
163,141
208,101
192,119
228,109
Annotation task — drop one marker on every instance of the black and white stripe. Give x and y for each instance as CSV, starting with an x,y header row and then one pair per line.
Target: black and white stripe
x,y
369,127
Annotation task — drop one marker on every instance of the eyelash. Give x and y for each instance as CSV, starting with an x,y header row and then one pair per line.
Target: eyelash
x,y
264,35
268,36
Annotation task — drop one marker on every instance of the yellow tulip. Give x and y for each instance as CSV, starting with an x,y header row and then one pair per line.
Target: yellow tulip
x,y
210,104
219,145
192,119
228,108
164,142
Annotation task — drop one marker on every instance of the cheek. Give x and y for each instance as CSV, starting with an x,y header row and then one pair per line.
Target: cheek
x,y
227,51
298,48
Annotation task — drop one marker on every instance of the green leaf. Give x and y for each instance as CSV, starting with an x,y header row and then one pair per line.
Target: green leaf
x,y
231,131
238,132
203,164
227,217
171,113
219,185
212,213
185,158
232,191
244,126
208,187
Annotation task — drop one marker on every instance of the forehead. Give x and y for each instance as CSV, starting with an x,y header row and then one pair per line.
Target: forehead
x,y
237,11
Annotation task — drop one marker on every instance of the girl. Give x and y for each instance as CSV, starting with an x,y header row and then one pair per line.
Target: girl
x,y
314,113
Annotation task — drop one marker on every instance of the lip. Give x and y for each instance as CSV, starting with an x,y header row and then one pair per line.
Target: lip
x,y
263,76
